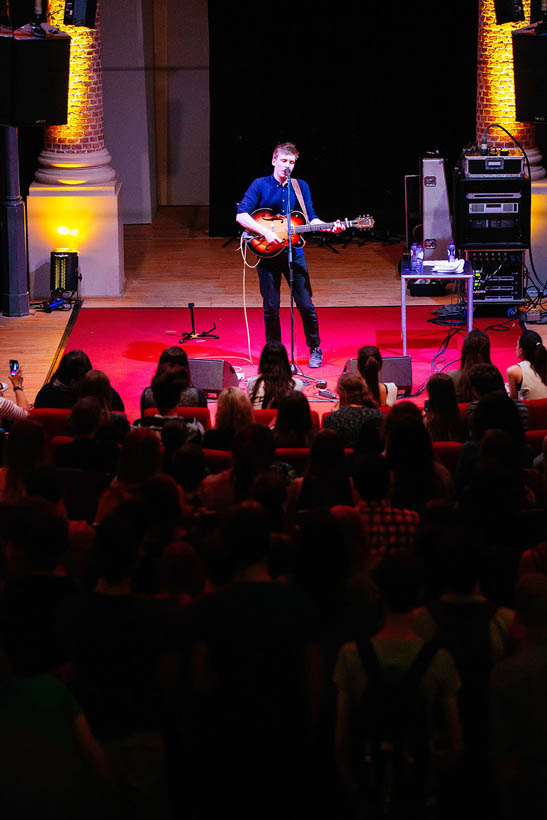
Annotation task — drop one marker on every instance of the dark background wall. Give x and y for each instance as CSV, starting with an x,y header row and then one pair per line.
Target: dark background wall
x,y
362,89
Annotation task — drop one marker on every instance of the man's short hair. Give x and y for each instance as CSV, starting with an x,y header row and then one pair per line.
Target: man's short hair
x,y
485,378
285,148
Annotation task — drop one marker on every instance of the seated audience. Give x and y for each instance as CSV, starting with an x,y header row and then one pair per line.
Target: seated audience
x,y
253,453
234,411
484,380
167,386
517,707
63,389
190,396
115,426
386,527
274,380
24,450
14,411
416,478
373,714
355,408
87,451
475,350
442,417
293,423
528,378
325,482
369,364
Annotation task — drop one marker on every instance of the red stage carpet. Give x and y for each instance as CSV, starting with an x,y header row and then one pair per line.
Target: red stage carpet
x,y
126,342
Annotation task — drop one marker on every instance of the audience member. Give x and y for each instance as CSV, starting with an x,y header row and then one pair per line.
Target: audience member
x,y
167,386
62,391
518,710
293,423
13,411
387,527
442,416
422,718
355,408
87,451
253,453
190,396
326,482
528,378
115,426
24,451
416,477
274,380
234,411
369,364
484,380
475,350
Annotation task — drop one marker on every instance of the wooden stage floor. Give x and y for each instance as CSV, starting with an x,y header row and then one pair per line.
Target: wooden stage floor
x,y
174,261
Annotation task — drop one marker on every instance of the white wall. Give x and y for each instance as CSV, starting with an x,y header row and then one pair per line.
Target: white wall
x,y
128,85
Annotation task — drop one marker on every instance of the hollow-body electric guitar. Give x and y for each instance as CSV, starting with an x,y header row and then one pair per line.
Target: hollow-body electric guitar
x,y
279,225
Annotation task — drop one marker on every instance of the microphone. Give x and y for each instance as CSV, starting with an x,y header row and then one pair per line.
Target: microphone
x,y
288,172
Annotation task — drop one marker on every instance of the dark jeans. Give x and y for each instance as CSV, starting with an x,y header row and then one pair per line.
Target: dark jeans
x,y
269,274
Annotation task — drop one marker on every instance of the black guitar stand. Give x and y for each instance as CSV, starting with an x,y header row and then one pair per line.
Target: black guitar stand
x,y
205,334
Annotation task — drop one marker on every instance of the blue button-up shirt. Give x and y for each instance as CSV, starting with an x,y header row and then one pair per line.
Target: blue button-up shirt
x,y
267,192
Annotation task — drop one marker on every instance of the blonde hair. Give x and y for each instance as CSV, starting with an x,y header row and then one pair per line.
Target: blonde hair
x,y
285,148
234,409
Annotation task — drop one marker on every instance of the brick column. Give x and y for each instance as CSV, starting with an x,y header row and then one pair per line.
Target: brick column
x,y
75,153
74,201
496,88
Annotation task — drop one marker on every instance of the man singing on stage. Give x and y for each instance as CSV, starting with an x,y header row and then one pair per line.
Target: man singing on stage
x,y
272,192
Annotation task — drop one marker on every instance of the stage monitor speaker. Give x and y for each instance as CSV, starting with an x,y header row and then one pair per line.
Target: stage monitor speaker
x,y
35,82
80,13
397,369
212,375
508,11
530,66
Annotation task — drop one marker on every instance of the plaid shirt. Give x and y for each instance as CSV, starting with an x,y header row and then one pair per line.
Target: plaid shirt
x,y
388,527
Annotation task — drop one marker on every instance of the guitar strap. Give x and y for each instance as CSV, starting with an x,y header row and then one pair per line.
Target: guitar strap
x,y
299,197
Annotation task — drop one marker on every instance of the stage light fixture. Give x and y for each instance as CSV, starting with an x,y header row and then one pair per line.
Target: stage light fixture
x,y
63,270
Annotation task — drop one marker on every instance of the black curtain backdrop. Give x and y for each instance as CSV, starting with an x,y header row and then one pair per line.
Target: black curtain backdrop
x,y
363,89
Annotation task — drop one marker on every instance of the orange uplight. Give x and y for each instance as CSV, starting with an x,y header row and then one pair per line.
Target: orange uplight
x,y
64,231
81,79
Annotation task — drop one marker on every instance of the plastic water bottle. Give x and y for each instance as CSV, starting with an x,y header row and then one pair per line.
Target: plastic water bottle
x,y
413,250
419,259
451,251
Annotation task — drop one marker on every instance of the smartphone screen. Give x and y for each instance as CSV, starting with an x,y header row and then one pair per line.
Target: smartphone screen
x,y
13,366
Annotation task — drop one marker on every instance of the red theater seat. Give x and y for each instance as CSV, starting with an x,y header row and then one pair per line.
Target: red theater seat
x,y
202,414
268,416
54,421
537,414
534,439
447,452
218,460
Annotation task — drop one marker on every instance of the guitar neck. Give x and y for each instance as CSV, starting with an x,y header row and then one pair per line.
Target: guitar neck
x,y
324,226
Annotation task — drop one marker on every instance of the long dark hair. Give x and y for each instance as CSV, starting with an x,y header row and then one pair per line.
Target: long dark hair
x,y
274,372
534,352
72,367
176,357
443,416
369,364
475,350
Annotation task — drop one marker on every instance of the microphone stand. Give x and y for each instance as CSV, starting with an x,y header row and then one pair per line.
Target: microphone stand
x,y
290,232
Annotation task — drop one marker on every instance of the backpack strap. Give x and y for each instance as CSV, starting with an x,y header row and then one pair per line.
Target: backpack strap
x,y
415,671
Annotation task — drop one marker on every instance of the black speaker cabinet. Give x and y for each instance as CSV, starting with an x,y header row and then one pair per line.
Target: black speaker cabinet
x,y
530,66
80,13
397,369
34,72
508,11
212,375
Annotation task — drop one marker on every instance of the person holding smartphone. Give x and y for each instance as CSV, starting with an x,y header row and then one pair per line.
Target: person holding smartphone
x,y
18,409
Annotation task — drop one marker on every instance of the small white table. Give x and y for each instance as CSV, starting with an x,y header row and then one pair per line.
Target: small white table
x,y
428,274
